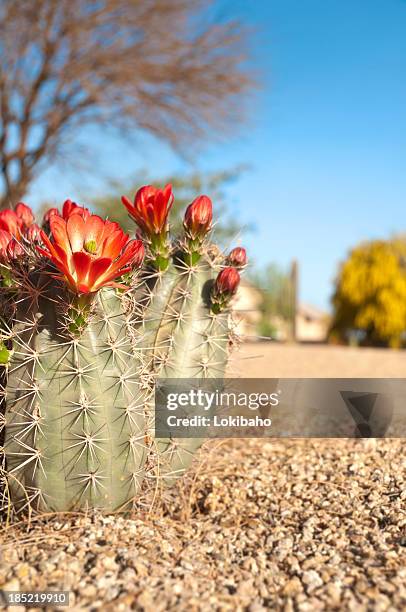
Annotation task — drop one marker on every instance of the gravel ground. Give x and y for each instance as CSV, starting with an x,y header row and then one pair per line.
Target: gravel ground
x,y
298,525
257,525
264,359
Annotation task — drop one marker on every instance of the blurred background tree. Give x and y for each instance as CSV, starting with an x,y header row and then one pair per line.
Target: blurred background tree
x,y
186,188
278,299
158,65
370,295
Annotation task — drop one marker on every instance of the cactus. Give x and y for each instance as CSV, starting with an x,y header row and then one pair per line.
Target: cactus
x,y
74,420
87,330
182,339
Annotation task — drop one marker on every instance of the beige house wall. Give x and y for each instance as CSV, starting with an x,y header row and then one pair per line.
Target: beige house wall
x,y
247,307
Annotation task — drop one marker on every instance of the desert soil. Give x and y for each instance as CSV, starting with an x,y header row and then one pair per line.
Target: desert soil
x,y
256,525
266,359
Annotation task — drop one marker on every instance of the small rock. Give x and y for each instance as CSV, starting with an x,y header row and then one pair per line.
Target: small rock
x,y
293,587
312,580
89,591
109,563
11,585
23,571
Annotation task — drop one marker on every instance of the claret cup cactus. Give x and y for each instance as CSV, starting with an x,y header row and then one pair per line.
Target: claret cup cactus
x,y
90,319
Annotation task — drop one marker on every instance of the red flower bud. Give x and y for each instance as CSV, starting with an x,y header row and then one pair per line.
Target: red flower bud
x,y
5,238
14,249
225,286
237,257
150,208
198,216
49,213
227,281
139,253
33,233
24,213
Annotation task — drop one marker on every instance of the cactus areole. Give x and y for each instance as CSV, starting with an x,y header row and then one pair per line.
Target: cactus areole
x,y
89,320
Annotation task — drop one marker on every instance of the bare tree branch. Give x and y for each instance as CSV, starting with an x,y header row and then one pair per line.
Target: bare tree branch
x,y
148,64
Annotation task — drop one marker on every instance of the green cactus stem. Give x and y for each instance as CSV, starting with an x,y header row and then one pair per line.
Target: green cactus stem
x,y
183,339
74,420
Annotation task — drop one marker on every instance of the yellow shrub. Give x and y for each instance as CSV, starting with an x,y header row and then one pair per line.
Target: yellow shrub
x,y
371,293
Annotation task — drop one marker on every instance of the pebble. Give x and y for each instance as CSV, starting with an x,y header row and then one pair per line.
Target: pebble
x,y
293,587
312,580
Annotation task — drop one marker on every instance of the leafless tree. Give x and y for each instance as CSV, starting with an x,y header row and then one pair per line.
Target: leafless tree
x,y
149,64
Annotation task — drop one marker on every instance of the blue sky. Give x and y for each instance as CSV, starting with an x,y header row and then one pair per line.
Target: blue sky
x,y
326,138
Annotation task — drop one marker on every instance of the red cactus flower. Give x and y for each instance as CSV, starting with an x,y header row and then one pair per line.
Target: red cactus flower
x,y
49,213
237,257
198,216
24,213
150,208
5,238
10,222
90,253
33,233
14,249
71,208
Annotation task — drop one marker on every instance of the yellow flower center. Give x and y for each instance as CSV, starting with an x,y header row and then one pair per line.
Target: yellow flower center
x,y
91,247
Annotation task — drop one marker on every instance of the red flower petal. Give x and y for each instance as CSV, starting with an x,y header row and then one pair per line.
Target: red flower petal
x,y
59,232
81,262
51,247
75,227
63,256
5,238
10,222
67,208
113,244
128,204
133,253
105,281
111,226
24,213
49,213
94,229
168,196
97,270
